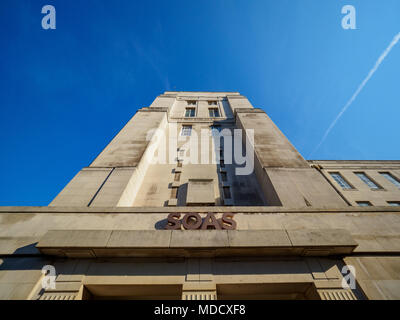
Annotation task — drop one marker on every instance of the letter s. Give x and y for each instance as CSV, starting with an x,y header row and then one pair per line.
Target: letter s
x,y
227,221
173,222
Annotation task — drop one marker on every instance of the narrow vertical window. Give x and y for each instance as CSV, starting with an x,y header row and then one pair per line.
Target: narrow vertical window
x,y
177,176
340,180
174,193
223,176
368,181
227,193
391,178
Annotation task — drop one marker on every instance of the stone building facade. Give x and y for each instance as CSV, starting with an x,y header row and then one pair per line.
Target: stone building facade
x,y
201,196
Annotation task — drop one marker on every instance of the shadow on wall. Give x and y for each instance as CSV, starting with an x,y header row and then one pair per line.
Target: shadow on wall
x,y
182,194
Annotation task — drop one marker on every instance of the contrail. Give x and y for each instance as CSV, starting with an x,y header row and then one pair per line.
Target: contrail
x,y
360,87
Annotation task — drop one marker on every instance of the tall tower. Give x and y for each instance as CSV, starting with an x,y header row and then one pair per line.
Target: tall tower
x,y
181,151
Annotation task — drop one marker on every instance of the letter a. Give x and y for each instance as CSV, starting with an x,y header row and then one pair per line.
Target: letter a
x,y
49,20
349,20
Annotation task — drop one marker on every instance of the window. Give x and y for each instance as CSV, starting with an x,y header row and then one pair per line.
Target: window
x,y
213,112
222,163
227,192
364,203
177,176
191,103
215,130
186,130
174,193
190,112
367,180
223,176
340,180
212,103
394,203
391,178
179,164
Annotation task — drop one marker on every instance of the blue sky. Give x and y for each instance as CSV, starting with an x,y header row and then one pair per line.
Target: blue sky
x,y
65,93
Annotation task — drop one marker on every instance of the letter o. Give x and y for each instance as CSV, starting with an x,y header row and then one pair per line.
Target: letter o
x,y
188,223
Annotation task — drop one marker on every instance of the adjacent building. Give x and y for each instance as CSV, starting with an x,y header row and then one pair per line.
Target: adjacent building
x,y
201,196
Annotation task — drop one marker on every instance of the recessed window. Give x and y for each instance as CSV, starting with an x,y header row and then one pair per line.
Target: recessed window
x,y
212,103
391,178
174,193
179,164
191,102
213,112
340,180
222,163
367,180
227,192
177,176
394,203
190,112
186,130
223,176
364,203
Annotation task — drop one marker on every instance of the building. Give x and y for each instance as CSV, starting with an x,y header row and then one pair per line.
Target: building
x,y
201,196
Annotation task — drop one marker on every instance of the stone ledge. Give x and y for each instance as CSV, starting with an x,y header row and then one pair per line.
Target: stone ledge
x,y
153,109
74,239
259,238
139,239
195,243
238,209
248,110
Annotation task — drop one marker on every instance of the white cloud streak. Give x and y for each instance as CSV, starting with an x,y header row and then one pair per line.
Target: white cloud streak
x,y
360,87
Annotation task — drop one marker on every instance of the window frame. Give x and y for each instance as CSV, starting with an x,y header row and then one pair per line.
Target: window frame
x,y
368,203
189,128
190,109
351,187
224,176
395,182
367,180
228,194
213,115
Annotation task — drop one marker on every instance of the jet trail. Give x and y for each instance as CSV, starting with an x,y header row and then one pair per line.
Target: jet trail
x,y
360,87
